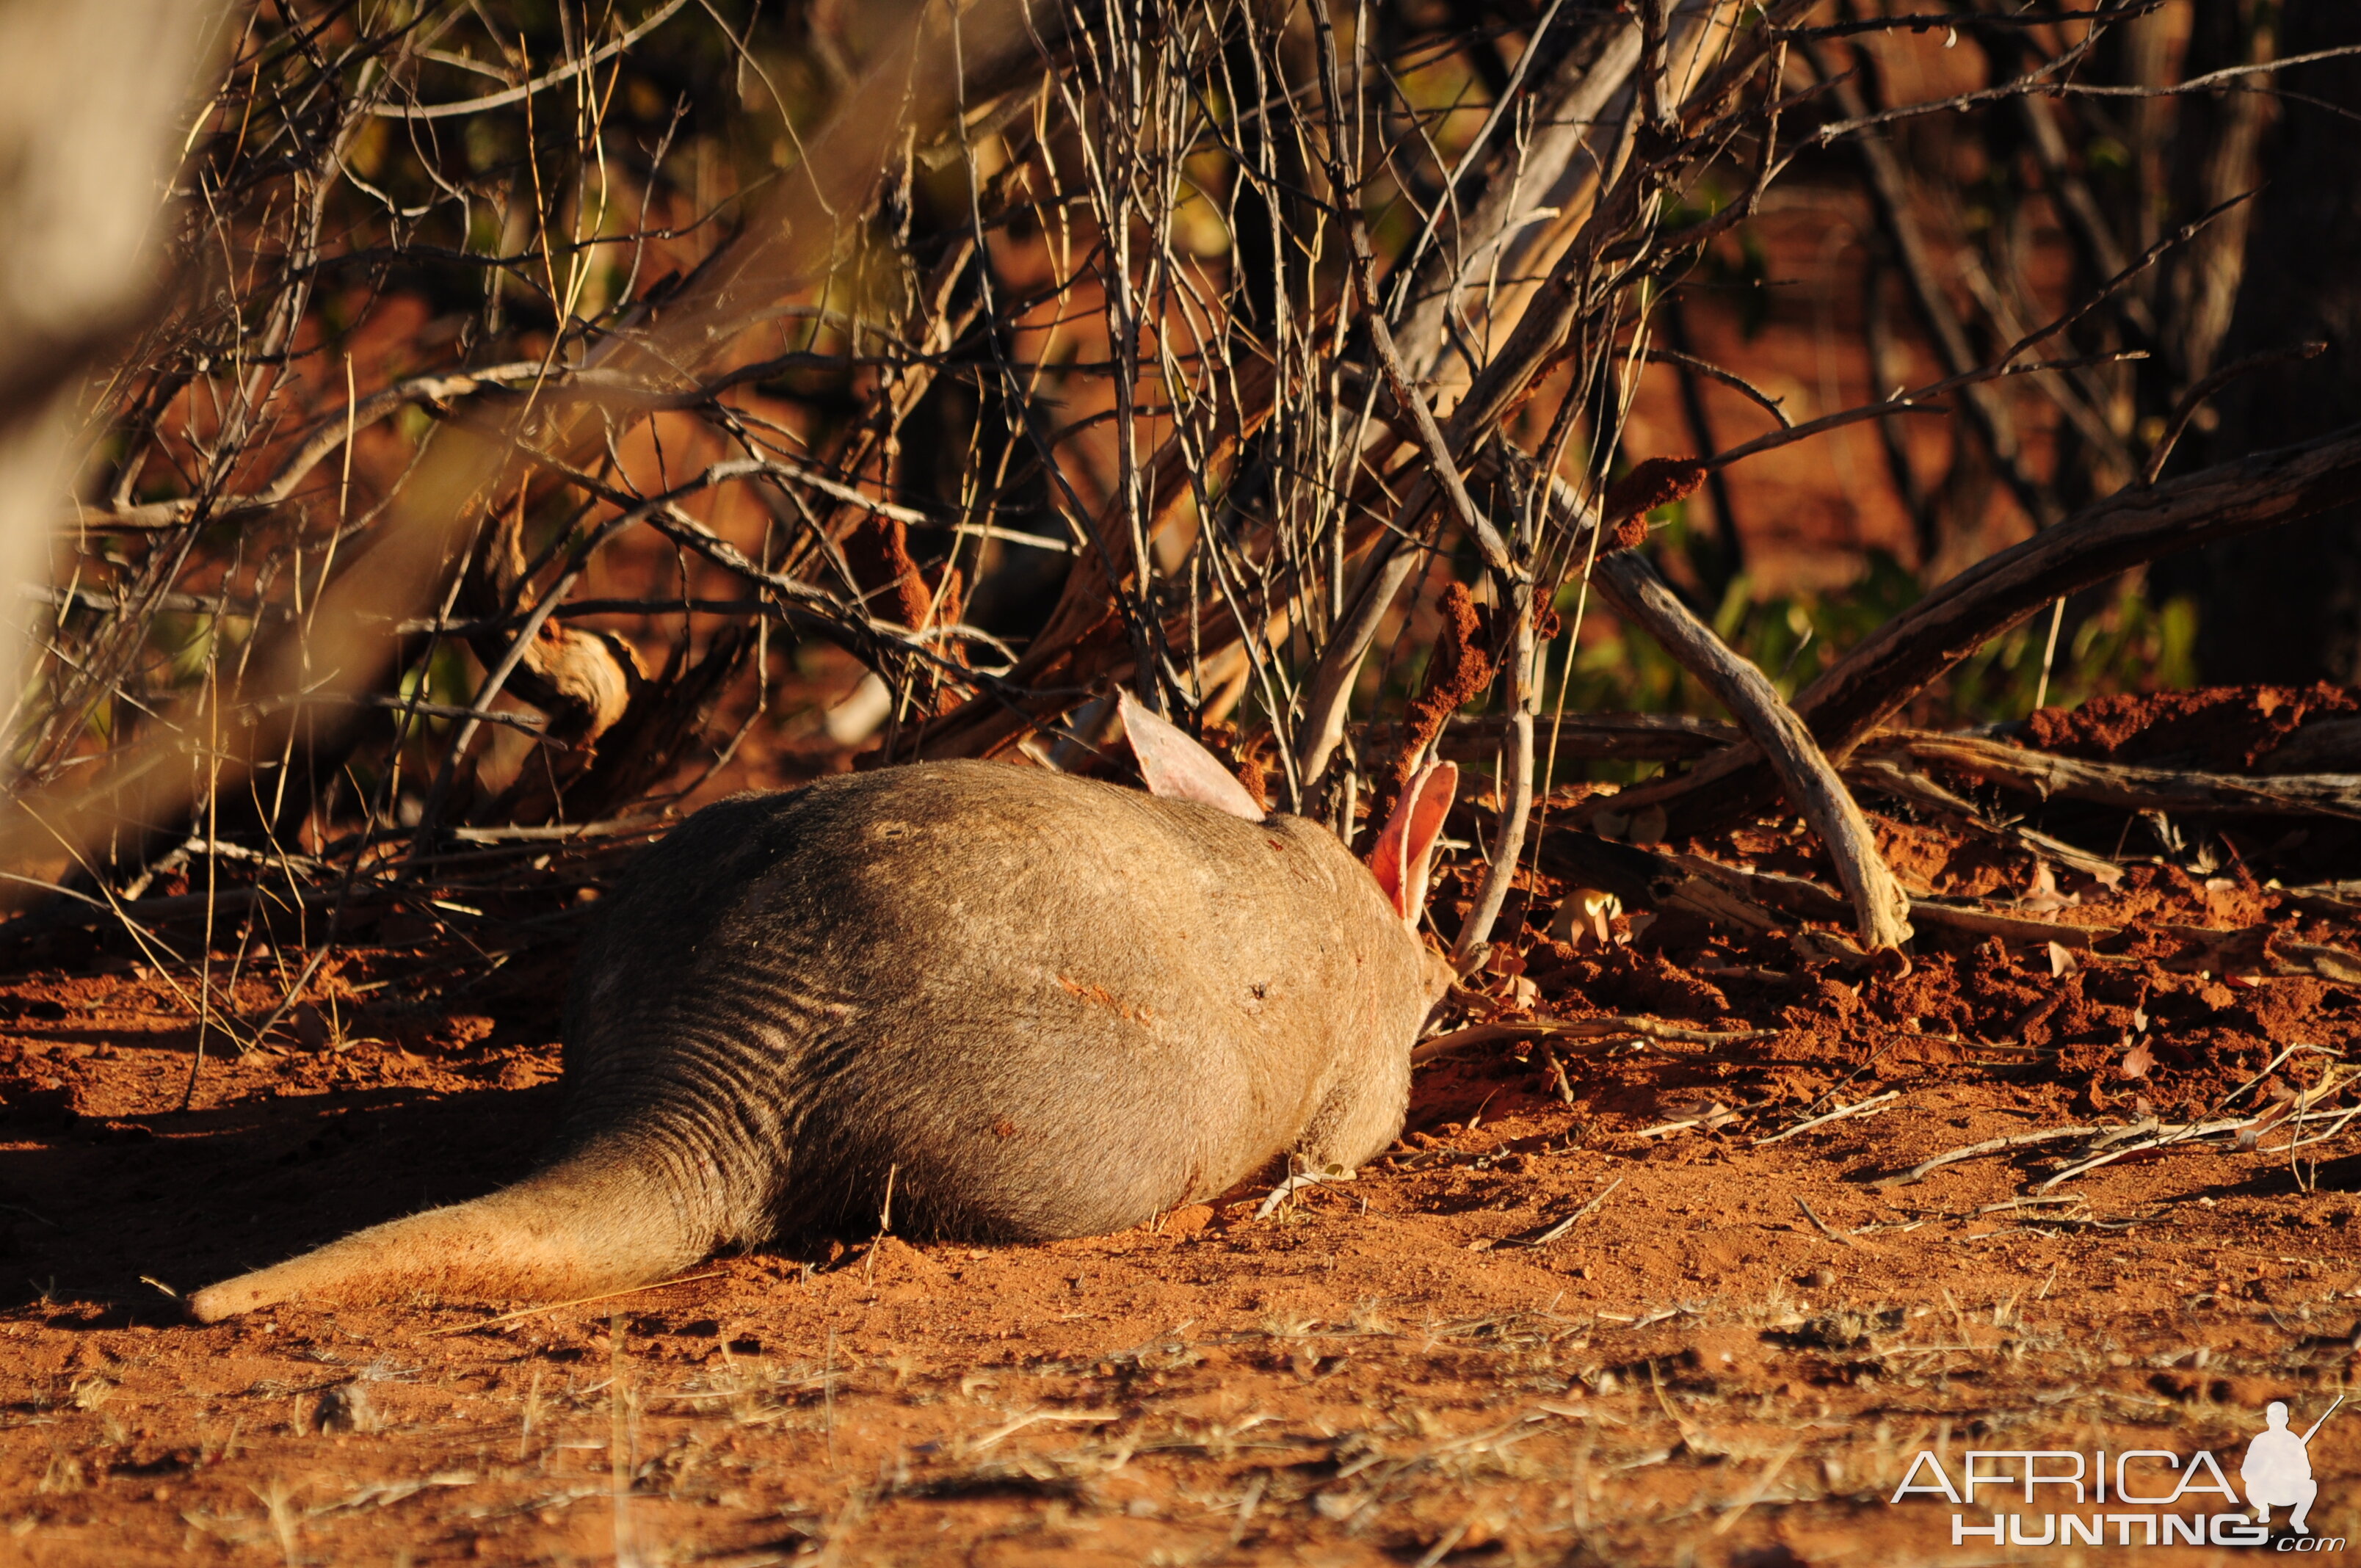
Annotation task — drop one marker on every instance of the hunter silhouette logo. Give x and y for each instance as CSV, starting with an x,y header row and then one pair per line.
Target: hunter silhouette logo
x,y
2144,1497
2278,1467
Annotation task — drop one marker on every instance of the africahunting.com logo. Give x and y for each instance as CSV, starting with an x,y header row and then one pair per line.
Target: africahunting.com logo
x,y
2148,1496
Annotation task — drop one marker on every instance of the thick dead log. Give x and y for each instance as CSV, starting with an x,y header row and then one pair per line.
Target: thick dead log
x,y
2325,746
1886,774
2130,528
2123,784
1810,900
2019,928
2316,773
1881,908
1759,903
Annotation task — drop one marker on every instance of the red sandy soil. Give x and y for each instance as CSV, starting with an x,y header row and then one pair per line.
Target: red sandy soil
x,y
1731,1354
2233,728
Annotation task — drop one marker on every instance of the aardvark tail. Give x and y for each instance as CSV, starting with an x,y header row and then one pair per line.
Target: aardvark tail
x,y
597,1220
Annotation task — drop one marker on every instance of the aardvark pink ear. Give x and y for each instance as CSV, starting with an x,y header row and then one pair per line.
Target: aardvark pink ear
x,y
1405,850
1176,768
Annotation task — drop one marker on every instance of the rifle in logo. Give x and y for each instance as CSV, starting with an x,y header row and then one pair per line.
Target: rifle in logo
x,y
2278,1467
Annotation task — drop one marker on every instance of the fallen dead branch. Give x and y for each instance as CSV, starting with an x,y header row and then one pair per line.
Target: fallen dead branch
x,y
1703,1116
1882,762
2150,1135
2135,525
1810,901
1822,1225
1542,1235
2243,1132
1880,906
1886,774
2124,784
2020,928
1868,1107
1011,1426
1921,1171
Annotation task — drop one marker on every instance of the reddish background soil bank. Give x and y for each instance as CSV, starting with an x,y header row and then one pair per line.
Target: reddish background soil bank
x,y
1730,1356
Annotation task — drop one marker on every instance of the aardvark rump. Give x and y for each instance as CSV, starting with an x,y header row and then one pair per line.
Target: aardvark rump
x,y
1030,1005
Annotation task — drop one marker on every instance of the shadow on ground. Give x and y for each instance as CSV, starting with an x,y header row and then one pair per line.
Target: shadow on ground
x,y
88,1207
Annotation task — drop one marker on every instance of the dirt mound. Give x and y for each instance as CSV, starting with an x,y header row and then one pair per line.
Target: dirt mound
x,y
2215,729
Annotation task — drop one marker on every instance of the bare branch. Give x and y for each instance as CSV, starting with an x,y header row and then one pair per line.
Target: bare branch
x,y
1881,908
